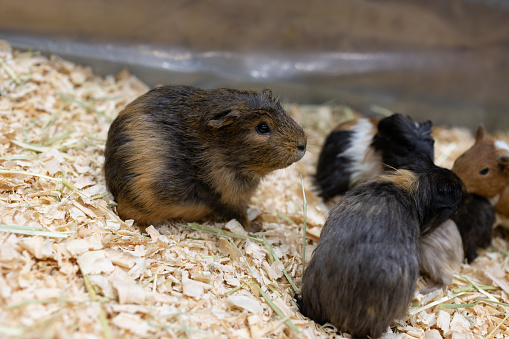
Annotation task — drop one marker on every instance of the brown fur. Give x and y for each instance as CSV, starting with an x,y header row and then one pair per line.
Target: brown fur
x,y
405,179
483,156
502,206
180,152
349,124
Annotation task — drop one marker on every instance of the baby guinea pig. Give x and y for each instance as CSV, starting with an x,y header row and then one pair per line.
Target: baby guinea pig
x,y
393,141
363,272
180,152
475,220
356,150
484,168
346,157
440,255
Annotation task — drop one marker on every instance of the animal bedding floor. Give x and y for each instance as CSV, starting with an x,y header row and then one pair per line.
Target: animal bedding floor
x,y
70,268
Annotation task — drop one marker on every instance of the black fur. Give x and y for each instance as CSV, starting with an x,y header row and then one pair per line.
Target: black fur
x,y
399,138
333,170
363,272
475,221
446,188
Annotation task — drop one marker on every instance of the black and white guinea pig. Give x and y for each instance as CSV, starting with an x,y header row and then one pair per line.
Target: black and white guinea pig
x,y
355,151
363,272
475,221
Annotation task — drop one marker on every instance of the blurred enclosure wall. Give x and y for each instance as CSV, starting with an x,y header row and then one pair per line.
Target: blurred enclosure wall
x,y
446,60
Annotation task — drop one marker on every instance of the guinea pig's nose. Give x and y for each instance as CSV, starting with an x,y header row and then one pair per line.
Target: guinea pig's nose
x,y
302,146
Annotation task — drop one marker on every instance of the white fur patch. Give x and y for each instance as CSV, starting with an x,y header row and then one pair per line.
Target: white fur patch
x,y
495,199
499,144
365,163
441,253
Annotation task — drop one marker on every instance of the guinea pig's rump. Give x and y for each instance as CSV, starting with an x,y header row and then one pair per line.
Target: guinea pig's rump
x,y
364,270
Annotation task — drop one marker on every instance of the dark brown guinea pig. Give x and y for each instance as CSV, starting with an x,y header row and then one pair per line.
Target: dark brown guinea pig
x,y
180,152
475,221
363,273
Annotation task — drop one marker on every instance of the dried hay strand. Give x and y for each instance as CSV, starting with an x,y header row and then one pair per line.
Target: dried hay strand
x,y
70,268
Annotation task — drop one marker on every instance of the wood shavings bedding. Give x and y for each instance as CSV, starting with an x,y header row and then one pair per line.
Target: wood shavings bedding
x,y
70,268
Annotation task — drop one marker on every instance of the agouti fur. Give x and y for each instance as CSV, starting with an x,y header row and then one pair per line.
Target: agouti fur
x,y
183,153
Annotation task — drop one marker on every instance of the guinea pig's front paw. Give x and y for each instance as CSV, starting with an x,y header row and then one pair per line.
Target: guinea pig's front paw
x,y
430,288
253,226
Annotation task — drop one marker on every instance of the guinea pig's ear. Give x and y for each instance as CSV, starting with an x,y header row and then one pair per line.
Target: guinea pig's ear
x,y
223,118
426,126
385,126
503,163
481,133
267,92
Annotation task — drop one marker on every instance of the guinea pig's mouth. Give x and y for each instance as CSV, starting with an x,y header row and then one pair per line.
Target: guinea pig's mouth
x,y
302,150
293,154
297,158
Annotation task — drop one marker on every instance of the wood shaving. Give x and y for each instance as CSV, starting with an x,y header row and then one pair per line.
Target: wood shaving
x,y
90,275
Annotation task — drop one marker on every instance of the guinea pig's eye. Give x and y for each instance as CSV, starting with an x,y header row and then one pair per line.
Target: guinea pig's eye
x,y
484,171
263,128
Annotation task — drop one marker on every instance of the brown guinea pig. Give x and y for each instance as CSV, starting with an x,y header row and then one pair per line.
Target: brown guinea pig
x,y
180,152
484,168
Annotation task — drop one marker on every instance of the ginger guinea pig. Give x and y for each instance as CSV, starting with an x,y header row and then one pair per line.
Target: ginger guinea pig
x,y
363,273
355,151
484,168
180,152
